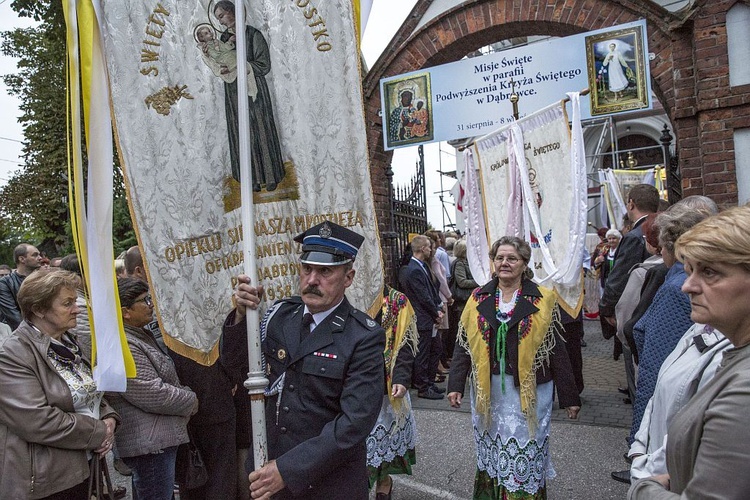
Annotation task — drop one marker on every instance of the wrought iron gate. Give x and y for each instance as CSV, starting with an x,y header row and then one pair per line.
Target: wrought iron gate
x,y
408,214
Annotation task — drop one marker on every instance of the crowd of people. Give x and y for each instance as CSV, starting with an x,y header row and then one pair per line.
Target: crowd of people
x,y
339,410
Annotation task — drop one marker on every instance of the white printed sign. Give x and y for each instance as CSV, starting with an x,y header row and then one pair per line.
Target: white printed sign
x,y
471,97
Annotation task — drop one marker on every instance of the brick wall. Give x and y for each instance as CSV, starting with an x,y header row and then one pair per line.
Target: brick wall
x,y
690,74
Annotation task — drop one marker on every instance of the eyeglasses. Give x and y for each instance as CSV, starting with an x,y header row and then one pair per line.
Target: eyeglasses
x,y
510,259
146,300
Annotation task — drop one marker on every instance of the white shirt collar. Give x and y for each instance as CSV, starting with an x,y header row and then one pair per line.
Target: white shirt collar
x,y
639,219
420,262
319,317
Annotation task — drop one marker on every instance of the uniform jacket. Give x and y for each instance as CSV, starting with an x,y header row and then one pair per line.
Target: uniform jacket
x,y
43,442
9,310
155,407
422,294
559,368
330,401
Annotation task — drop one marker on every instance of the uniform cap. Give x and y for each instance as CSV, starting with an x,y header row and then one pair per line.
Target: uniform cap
x,y
329,244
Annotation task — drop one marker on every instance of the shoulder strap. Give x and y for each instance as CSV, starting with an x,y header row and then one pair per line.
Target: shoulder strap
x,y
453,272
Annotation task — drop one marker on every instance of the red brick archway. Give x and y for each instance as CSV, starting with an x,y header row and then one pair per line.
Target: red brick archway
x,y
689,72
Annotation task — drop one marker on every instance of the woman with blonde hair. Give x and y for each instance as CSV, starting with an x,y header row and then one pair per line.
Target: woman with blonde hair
x,y
708,443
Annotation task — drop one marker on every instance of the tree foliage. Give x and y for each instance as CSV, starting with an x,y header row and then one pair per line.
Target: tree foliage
x,y
35,200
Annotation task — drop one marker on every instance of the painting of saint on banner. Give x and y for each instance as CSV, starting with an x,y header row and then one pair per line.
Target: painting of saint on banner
x,y
215,37
408,117
617,71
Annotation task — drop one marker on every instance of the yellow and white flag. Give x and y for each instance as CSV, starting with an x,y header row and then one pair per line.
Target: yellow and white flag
x,y
91,216
173,73
362,10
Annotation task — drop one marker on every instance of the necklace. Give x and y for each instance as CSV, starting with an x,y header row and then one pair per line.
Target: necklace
x,y
504,309
504,313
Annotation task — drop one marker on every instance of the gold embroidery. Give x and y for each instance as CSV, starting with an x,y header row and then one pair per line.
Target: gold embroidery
x,y
164,99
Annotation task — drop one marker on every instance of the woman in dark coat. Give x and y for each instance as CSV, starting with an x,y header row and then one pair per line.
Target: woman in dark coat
x,y
509,341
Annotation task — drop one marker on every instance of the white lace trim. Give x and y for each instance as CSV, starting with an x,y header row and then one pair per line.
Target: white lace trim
x,y
517,467
391,437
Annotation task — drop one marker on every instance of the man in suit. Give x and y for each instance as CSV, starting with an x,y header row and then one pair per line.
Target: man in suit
x,y
27,259
417,284
643,199
324,361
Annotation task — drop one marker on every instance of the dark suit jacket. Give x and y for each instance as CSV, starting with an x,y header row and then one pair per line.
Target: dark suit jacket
x,y
630,251
559,368
213,384
422,294
328,405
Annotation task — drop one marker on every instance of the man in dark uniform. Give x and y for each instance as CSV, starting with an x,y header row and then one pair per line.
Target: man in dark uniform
x,y
324,362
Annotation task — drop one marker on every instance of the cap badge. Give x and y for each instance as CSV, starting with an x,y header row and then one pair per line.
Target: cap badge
x,y
325,231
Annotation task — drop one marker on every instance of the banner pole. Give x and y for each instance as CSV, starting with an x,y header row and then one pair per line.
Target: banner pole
x,y
583,92
256,381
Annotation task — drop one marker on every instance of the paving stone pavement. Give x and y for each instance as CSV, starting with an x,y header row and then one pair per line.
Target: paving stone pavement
x,y
584,451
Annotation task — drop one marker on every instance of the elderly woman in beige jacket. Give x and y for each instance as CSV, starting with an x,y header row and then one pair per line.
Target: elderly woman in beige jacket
x,y
52,418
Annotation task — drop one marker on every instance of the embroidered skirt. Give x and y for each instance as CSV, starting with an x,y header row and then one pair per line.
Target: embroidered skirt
x,y
510,463
391,443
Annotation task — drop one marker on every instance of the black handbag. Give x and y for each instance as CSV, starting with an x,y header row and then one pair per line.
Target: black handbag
x,y
190,470
98,479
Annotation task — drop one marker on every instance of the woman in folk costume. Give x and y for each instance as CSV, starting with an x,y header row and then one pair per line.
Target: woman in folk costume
x,y
508,340
390,445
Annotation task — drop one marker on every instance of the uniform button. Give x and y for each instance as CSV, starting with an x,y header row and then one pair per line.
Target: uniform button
x,y
286,409
322,370
282,430
291,387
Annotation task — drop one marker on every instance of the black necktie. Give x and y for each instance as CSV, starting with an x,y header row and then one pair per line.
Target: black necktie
x,y
307,320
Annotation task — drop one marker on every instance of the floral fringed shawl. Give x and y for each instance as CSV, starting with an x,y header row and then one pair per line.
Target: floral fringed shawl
x,y
400,324
536,337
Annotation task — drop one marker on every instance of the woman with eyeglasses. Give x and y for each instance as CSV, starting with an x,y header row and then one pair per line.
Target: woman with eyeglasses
x,y
509,340
155,407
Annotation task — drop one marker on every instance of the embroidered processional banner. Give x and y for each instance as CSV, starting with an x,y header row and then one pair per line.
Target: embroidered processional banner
x,y
616,184
173,74
533,188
